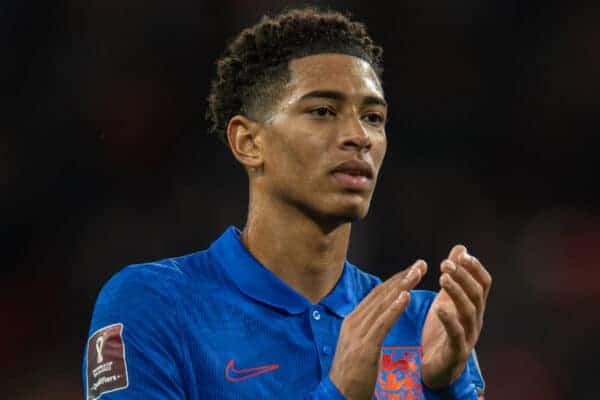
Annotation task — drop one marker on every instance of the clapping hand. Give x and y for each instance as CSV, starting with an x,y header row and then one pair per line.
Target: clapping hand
x,y
454,321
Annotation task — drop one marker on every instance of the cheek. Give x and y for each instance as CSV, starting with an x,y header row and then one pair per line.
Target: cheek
x,y
379,150
283,162
296,153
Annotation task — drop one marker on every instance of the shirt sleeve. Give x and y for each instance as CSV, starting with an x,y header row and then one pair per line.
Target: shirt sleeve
x,y
325,391
469,386
133,349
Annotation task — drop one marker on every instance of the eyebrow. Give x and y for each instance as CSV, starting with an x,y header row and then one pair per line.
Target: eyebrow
x,y
339,96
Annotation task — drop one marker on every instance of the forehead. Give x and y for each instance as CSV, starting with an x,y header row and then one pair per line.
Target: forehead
x,y
340,72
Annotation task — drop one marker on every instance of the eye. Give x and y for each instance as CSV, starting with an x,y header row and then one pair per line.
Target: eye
x,y
322,112
374,118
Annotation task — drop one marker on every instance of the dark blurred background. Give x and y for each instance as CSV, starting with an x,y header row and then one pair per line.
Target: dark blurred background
x,y
493,137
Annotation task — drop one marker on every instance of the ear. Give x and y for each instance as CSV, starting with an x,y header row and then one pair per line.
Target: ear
x,y
244,139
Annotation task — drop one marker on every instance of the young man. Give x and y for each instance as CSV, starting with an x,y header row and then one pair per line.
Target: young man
x,y
275,311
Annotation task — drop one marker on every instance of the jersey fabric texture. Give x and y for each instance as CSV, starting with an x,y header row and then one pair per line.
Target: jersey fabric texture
x,y
216,324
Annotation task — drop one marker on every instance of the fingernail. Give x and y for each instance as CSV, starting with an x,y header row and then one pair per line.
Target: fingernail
x,y
444,279
451,266
402,297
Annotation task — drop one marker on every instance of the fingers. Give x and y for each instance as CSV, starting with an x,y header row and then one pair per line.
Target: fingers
x,y
467,313
403,280
412,278
462,277
467,283
478,271
456,252
459,255
394,288
384,322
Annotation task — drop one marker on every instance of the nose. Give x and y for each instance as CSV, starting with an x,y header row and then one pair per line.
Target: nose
x,y
355,136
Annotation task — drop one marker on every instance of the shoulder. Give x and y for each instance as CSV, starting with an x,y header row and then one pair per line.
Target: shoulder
x,y
137,316
135,293
151,288
169,274
149,278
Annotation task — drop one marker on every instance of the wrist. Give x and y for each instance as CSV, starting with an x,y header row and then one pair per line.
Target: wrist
x,y
441,380
456,388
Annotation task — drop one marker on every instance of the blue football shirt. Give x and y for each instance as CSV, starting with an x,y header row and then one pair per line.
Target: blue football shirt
x,y
216,324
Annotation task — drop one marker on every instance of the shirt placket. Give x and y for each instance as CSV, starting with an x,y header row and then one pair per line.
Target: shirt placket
x,y
324,331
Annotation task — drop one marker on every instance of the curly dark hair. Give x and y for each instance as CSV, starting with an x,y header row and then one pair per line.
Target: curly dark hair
x,y
254,68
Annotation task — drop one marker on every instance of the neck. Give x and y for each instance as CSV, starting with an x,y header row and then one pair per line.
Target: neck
x,y
303,254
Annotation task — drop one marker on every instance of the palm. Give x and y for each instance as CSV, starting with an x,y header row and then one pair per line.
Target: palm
x,y
437,354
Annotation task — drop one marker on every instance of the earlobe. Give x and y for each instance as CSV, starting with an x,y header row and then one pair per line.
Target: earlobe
x,y
244,141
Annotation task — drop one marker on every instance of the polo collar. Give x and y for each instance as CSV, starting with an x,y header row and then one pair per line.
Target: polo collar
x,y
259,283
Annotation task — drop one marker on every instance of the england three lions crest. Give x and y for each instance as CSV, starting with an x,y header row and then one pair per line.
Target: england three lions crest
x,y
399,375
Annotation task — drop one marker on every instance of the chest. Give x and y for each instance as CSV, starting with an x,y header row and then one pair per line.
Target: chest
x,y
242,351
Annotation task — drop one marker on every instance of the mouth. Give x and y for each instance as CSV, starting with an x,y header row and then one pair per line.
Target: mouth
x,y
354,174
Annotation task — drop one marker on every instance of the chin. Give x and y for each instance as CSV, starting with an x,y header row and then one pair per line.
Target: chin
x,y
353,215
338,209
350,211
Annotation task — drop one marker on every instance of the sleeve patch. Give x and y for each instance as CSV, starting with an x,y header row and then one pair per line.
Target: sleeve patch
x,y
106,366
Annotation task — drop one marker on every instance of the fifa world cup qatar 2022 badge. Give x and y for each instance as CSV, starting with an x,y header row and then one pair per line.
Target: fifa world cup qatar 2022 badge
x,y
106,366
399,375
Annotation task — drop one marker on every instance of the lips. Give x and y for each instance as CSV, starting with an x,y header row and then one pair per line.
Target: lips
x,y
355,168
354,175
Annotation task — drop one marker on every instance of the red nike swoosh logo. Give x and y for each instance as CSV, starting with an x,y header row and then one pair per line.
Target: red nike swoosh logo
x,y
236,375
